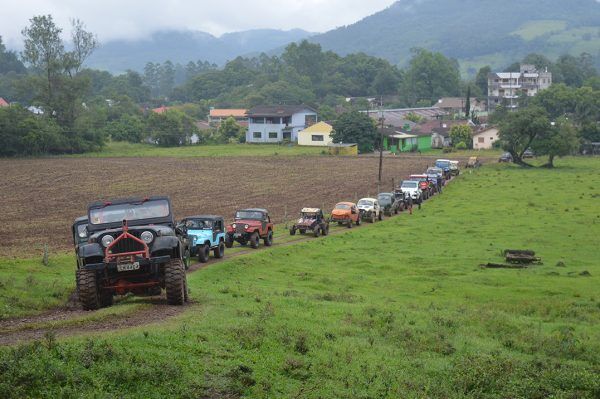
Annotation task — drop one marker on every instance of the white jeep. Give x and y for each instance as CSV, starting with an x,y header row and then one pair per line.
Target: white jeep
x,y
369,209
411,187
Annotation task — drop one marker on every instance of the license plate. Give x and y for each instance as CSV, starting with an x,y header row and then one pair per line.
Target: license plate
x,y
127,267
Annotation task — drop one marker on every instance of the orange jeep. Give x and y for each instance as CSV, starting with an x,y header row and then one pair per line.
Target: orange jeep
x,y
346,213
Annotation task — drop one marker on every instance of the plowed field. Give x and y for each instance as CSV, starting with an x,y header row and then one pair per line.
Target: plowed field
x,y
39,198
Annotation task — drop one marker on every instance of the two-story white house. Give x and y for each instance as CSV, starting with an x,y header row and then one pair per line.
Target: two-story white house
x,y
277,123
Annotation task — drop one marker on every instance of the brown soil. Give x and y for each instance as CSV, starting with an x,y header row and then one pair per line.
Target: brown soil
x,y
40,198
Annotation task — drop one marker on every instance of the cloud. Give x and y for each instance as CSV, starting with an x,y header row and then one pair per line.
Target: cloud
x,y
134,19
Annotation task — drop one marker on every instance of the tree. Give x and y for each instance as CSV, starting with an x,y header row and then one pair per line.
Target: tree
x,y
557,141
468,103
355,127
171,128
230,130
9,62
461,134
481,80
519,129
22,133
84,43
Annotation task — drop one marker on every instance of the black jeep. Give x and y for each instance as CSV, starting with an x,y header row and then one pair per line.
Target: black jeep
x,y
80,235
132,248
311,219
389,204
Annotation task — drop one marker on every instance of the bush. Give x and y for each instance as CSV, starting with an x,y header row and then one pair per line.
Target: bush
x,y
461,146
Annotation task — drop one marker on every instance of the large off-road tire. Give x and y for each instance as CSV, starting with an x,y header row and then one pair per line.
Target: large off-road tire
x,y
293,231
87,288
254,240
269,239
372,217
349,225
187,259
302,231
317,231
358,221
228,241
326,230
175,282
219,251
203,253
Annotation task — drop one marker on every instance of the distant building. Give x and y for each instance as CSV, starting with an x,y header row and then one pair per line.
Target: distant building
x,y
397,117
318,135
457,105
485,139
504,88
4,103
161,110
436,132
278,123
218,115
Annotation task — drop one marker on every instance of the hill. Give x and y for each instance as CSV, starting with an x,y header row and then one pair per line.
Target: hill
x,y
476,32
184,46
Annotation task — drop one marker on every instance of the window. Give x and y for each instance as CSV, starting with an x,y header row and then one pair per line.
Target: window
x,y
491,139
273,135
287,136
257,135
318,137
480,139
310,120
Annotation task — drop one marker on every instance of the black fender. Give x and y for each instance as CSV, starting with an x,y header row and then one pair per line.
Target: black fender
x,y
91,250
167,244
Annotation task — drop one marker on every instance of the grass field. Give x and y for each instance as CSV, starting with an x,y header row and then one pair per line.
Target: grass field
x,y
124,149
400,309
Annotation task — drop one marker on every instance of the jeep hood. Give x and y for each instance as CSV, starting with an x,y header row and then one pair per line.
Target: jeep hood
x,y
249,222
340,212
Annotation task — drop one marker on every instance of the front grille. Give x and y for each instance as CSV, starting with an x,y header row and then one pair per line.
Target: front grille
x,y
126,245
240,229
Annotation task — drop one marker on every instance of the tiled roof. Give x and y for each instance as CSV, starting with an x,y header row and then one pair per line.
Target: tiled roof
x,y
278,110
225,113
3,102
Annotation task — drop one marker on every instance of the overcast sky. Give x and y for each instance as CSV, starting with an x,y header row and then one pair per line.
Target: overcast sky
x,y
112,19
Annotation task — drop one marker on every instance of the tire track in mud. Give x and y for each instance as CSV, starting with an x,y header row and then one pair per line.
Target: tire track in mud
x,y
23,329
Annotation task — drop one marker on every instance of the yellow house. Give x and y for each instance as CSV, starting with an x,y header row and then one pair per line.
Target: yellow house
x,y
318,134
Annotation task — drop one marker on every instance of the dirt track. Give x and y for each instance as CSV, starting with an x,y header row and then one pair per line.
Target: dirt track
x,y
39,198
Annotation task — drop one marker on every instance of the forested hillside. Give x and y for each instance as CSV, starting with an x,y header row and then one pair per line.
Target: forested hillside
x,y
476,32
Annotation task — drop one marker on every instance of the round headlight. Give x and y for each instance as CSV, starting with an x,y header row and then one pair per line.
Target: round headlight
x,y
107,240
147,237
246,226
234,225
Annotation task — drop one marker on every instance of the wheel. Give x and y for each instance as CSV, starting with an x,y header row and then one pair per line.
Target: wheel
x,y
254,240
293,231
228,241
326,230
219,251
380,216
175,282
203,253
349,225
87,287
243,243
269,240
317,231
302,231
358,221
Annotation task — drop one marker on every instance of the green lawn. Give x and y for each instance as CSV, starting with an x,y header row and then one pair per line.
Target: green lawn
x,y
400,309
124,149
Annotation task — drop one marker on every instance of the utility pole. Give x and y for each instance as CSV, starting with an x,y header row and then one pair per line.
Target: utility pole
x,y
381,121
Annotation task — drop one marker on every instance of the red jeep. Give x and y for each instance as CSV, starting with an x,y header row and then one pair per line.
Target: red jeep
x,y
250,226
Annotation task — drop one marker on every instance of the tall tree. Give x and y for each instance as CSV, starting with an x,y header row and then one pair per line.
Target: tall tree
x,y
481,80
557,141
355,127
519,129
84,44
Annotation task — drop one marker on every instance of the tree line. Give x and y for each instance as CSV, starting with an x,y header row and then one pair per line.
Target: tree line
x,y
82,108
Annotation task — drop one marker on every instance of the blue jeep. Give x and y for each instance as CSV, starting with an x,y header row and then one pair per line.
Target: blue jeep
x,y
204,233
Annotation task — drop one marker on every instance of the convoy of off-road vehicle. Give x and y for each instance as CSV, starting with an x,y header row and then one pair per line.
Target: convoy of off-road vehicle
x,y
134,246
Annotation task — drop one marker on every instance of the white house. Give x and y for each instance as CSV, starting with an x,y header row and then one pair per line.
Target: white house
x,y
484,139
318,135
274,124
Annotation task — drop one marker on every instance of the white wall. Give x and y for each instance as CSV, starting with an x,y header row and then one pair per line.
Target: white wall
x,y
489,136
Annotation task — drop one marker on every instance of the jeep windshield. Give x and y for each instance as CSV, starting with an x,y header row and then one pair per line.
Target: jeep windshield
x,y
252,215
443,164
385,199
365,203
129,211
198,224
343,206
409,184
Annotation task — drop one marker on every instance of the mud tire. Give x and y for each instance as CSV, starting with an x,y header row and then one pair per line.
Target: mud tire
x,y
175,282
254,240
269,239
87,288
219,251
203,253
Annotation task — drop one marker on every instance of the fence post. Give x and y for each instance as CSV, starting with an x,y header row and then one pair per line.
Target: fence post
x,y
45,259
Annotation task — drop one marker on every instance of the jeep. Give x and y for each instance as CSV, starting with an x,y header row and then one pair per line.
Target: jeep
x,y
389,203
346,213
203,234
454,169
311,219
250,226
411,188
425,185
444,164
132,248
369,209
